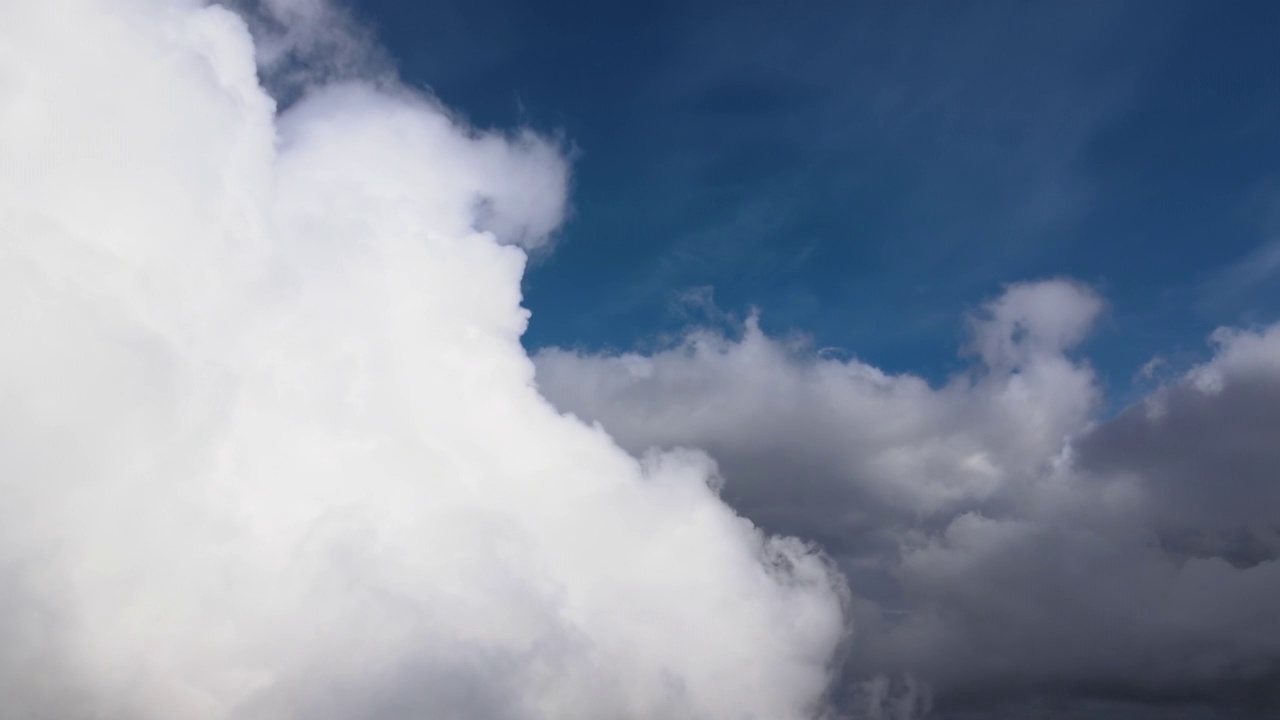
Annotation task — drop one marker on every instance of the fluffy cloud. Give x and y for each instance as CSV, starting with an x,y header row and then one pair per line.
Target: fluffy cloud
x,y
1204,450
842,447
1002,539
269,445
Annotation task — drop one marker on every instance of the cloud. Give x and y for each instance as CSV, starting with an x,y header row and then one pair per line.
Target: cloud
x,y
300,44
776,415
269,445
1202,450
1002,540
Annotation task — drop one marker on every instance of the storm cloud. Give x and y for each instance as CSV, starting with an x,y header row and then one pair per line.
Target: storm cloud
x,y
1010,547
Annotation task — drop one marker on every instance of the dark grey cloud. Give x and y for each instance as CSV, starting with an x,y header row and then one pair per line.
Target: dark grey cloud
x,y
1010,552
1206,450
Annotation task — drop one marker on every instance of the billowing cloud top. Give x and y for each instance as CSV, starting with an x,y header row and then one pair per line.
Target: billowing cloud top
x,y
270,446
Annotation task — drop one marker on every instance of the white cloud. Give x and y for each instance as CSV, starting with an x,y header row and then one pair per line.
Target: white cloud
x,y
1033,321
270,447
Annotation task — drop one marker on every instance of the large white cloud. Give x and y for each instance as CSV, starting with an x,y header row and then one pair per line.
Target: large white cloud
x,y
270,447
1001,537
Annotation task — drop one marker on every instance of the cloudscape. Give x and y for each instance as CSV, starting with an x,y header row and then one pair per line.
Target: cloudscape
x,y
287,433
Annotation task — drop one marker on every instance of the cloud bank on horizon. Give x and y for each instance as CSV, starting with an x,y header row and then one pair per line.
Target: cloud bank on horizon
x,y
1002,537
271,447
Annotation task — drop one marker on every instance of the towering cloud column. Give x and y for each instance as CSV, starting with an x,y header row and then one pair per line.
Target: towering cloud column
x,y
269,444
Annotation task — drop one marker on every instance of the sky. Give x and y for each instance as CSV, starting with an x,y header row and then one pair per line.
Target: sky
x,y
519,361
861,172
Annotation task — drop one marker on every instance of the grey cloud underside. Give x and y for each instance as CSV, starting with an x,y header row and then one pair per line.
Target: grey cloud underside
x,y
1004,545
1211,459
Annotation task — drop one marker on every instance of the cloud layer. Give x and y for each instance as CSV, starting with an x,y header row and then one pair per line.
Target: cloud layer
x,y
1001,540
269,445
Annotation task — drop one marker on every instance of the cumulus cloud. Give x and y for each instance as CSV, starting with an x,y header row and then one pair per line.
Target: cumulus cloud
x,y
1003,540
1203,451
850,443
269,444
303,43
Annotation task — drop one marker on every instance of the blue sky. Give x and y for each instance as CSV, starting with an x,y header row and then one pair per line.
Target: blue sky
x,y
866,172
